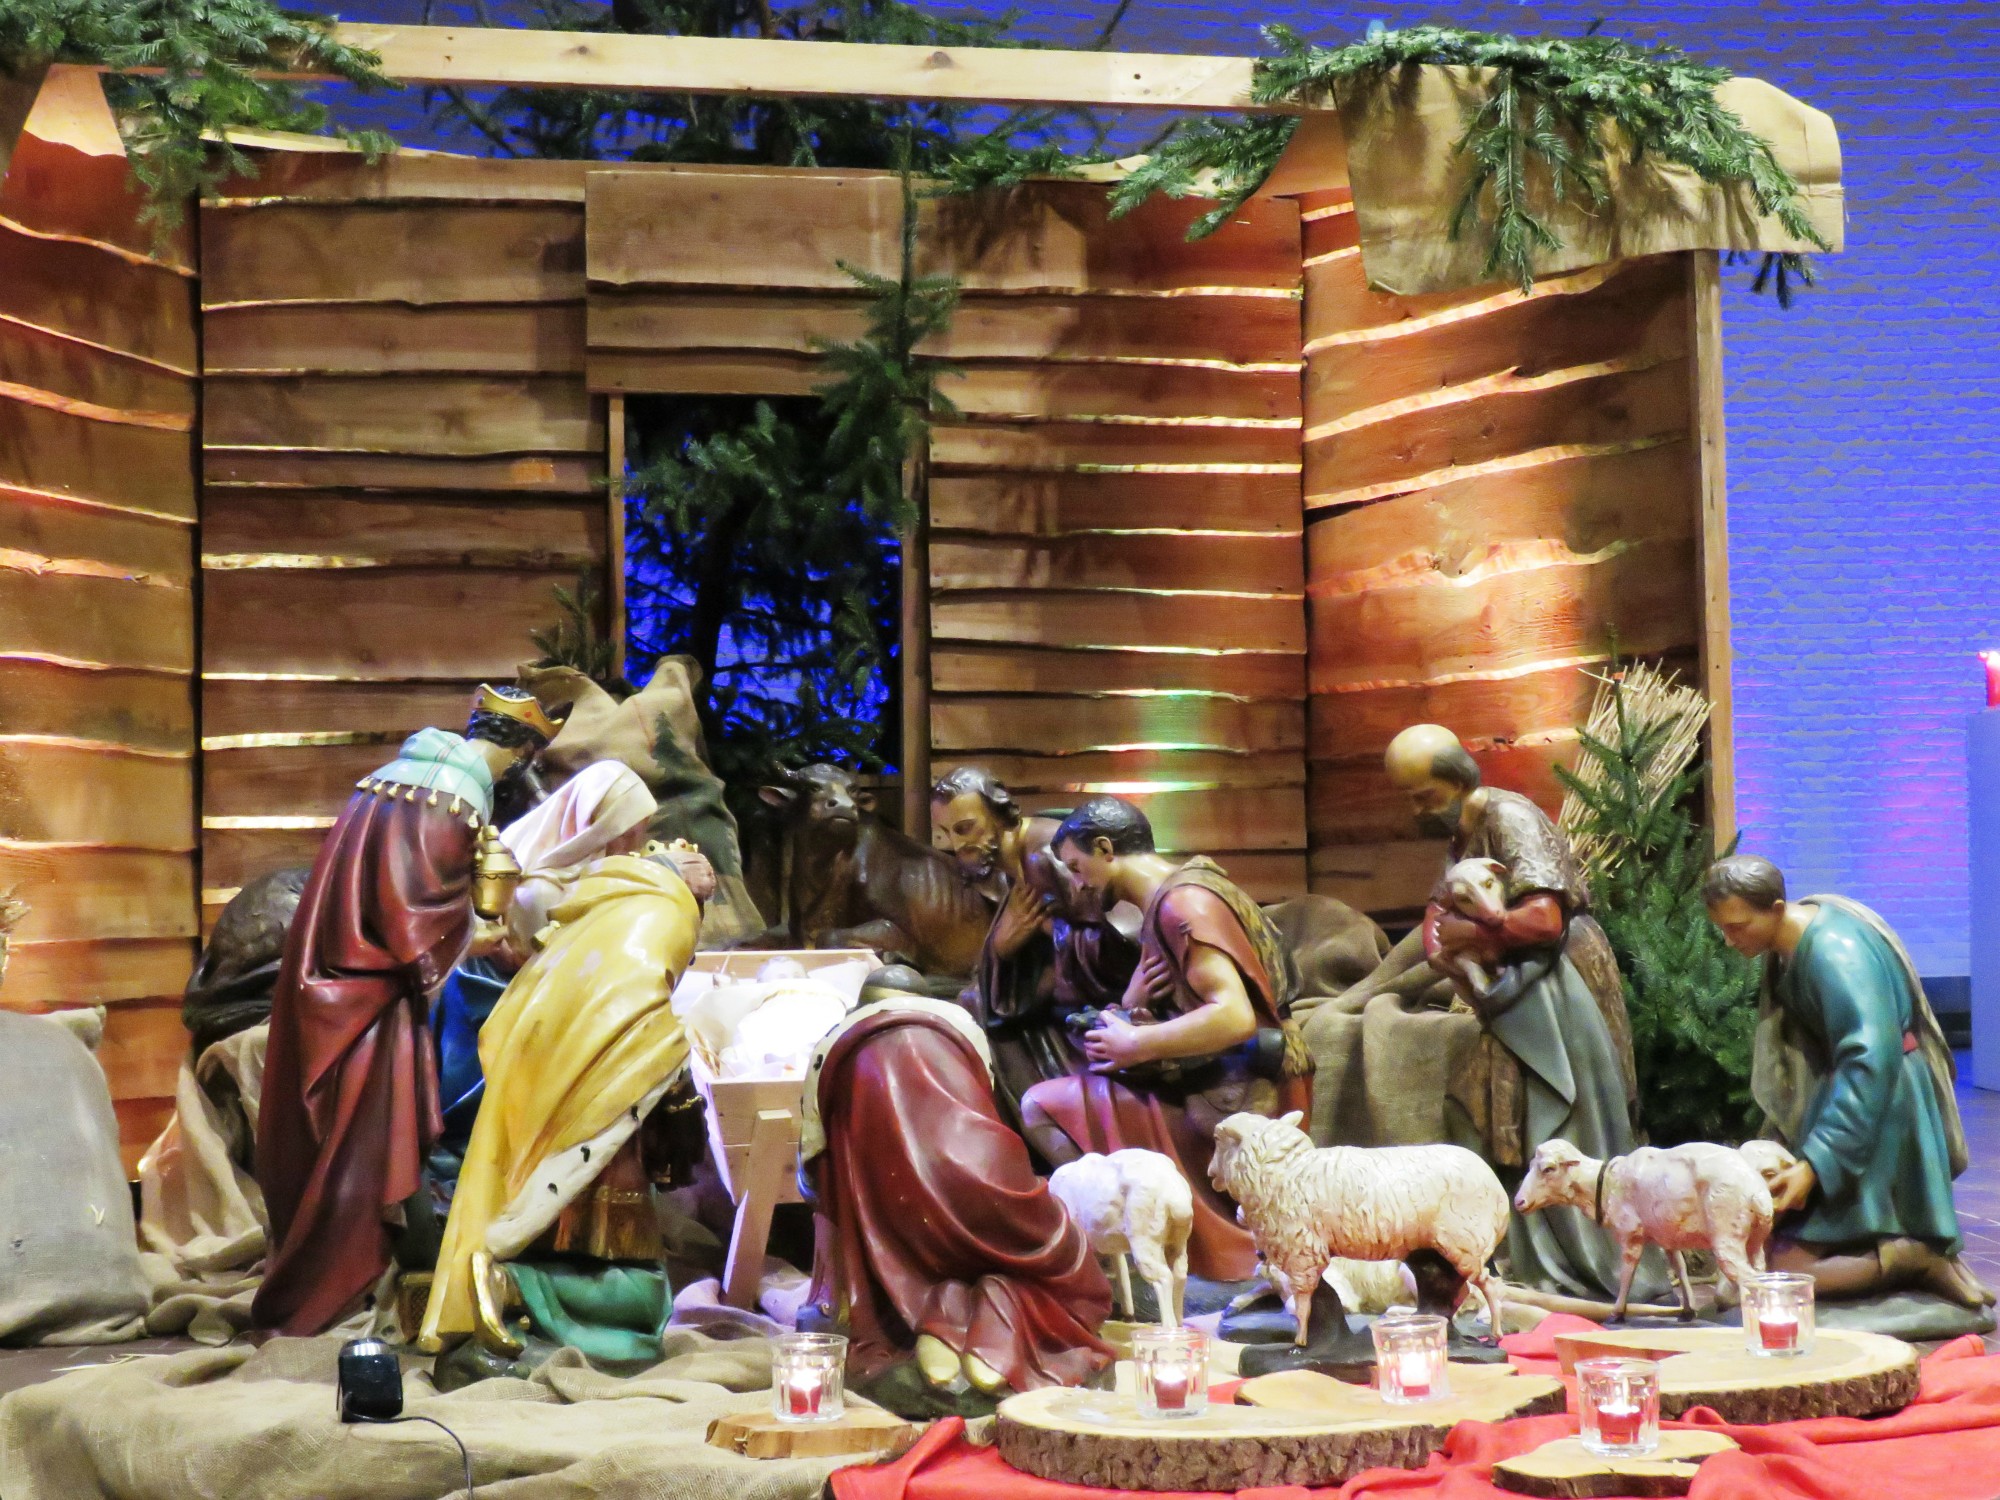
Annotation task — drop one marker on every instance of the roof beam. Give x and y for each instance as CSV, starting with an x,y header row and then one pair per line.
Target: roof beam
x,y
481,55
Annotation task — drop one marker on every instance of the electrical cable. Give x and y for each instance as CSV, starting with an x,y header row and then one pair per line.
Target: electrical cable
x,y
463,1453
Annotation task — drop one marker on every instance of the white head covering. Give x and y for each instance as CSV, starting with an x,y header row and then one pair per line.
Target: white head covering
x,y
600,804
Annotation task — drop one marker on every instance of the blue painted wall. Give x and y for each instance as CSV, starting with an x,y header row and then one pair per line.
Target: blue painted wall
x,y
1864,426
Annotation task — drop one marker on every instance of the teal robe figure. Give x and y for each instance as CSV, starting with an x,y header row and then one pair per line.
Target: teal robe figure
x,y
1855,1076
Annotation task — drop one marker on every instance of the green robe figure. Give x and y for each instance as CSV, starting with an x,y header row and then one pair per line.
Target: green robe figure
x,y
1855,1078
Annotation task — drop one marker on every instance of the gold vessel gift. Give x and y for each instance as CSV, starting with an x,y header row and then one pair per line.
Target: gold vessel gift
x,y
495,874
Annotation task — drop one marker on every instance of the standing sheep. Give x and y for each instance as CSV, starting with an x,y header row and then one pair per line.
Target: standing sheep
x,y
1133,1202
1306,1206
1692,1197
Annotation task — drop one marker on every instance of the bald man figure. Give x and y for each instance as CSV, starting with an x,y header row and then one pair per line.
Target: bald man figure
x,y
1566,1035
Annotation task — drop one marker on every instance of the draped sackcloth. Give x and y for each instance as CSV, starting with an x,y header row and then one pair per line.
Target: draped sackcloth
x,y
350,1088
1198,904
933,1220
579,1048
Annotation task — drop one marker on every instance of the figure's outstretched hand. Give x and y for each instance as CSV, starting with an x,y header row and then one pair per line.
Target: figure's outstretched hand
x,y
1114,1046
694,869
1791,1186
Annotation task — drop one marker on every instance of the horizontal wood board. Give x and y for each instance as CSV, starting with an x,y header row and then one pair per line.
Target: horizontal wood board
x,y
1495,487
97,613
402,462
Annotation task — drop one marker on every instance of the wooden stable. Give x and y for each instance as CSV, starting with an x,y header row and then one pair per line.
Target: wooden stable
x,y
1215,521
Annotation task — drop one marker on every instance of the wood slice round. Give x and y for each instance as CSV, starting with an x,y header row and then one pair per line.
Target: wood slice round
x,y
1297,1427
865,1431
1566,1470
1846,1374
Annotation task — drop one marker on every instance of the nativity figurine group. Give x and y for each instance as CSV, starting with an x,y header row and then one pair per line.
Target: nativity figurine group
x,y
1104,1051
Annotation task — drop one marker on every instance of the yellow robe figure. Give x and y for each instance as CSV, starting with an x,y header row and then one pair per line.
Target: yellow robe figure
x,y
578,1048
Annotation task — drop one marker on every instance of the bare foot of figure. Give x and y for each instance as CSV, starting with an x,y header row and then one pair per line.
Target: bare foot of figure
x,y
1949,1276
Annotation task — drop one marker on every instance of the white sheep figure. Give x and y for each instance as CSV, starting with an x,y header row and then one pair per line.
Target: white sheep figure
x,y
1138,1203
1307,1205
1692,1197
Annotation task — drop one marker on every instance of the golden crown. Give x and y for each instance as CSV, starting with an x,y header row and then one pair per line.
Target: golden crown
x,y
512,703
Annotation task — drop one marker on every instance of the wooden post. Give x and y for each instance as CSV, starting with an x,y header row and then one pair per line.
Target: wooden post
x,y
773,1152
614,536
916,653
1717,656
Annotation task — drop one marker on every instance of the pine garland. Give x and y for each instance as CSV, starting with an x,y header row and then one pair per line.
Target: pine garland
x,y
1560,107
206,52
1692,999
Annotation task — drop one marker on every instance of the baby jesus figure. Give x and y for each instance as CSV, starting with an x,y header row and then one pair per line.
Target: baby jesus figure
x,y
1466,940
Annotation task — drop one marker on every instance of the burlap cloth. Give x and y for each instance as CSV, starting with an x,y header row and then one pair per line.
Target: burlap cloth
x,y
69,1260
228,1424
201,1214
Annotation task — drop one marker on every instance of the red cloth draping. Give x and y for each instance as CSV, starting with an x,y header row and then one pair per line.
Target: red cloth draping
x,y
1944,1446
350,1101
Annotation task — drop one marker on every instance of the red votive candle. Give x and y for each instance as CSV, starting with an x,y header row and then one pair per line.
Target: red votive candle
x,y
1413,1371
1992,660
1618,1423
1778,1331
1170,1387
802,1393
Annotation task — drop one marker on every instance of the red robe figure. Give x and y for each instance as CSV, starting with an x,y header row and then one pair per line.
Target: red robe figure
x,y
1204,1030
938,1244
350,1104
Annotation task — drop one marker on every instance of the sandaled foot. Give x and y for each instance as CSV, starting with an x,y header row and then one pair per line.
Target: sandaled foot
x,y
984,1377
490,1287
939,1363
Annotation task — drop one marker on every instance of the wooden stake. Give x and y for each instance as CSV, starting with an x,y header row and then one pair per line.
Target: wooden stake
x,y
1717,655
614,536
916,654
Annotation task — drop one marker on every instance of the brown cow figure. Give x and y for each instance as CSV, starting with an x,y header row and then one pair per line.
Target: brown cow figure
x,y
853,882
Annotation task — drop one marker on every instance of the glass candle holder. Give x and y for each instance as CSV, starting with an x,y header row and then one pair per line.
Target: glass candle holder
x,y
1618,1411
1409,1357
1778,1314
809,1377
1170,1369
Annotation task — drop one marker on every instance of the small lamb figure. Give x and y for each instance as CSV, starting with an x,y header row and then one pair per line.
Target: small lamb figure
x,y
1692,1197
1489,972
1304,1206
1133,1202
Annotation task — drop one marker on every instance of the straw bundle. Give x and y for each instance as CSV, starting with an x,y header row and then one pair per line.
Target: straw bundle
x,y
1651,718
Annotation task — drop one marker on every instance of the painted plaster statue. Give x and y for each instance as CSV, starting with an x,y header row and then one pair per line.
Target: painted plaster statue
x,y
580,1048
350,1103
940,1248
1695,1196
1048,954
1854,1077
1554,1059
855,883
603,809
1488,968
1202,1031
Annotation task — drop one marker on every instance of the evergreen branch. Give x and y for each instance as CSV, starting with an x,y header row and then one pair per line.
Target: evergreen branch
x,y
1557,114
207,53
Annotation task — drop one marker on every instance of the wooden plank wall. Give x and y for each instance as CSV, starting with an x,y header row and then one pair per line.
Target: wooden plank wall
x,y
97,509
1495,486
1115,551
401,463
